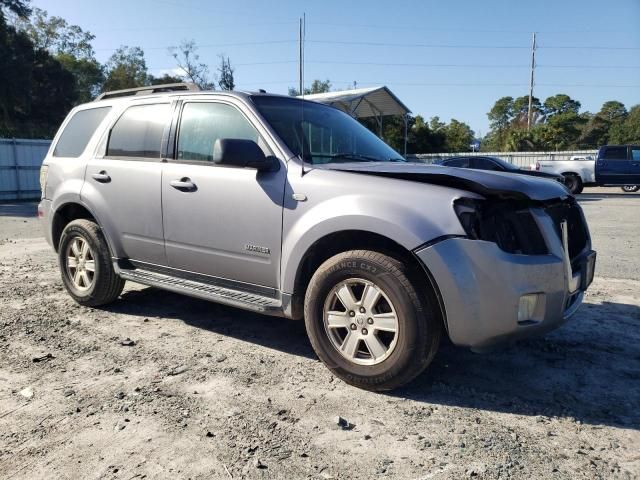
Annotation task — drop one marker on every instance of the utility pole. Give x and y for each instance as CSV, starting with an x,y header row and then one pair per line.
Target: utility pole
x,y
301,53
533,67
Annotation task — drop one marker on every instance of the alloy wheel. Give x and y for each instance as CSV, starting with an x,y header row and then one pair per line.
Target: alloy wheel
x,y
361,321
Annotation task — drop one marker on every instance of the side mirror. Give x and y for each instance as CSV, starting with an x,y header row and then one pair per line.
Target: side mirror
x,y
235,152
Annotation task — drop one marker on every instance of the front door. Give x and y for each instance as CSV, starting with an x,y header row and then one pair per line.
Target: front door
x,y
122,185
221,221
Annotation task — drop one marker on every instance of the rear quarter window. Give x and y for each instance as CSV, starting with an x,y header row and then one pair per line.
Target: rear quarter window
x,y
78,132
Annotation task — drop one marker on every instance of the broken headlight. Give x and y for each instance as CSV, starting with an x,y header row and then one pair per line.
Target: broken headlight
x,y
510,225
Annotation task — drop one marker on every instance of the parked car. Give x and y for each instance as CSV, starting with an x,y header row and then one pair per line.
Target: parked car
x,y
497,165
578,171
619,165
292,208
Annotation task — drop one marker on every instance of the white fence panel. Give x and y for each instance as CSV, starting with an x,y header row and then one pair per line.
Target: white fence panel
x,y
20,161
521,159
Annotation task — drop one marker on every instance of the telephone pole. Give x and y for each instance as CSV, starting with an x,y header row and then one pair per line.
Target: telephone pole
x,y
533,68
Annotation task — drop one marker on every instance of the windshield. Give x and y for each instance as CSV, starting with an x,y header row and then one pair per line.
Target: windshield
x,y
322,134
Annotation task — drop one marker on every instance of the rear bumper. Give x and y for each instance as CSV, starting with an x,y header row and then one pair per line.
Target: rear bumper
x,y
45,215
481,288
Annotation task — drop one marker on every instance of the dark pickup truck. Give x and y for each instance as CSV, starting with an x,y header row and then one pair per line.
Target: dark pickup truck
x,y
618,165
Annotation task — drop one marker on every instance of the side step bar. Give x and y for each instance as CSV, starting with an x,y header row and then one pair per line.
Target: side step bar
x,y
235,298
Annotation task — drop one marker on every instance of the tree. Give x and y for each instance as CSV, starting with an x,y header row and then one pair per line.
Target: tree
x,y
20,8
188,61
225,70
56,35
70,45
164,79
501,113
521,111
317,86
627,131
560,103
36,92
457,136
88,74
613,110
126,68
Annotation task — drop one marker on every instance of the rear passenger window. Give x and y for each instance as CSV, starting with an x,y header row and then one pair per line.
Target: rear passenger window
x,y
615,153
138,132
457,162
635,153
204,123
78,132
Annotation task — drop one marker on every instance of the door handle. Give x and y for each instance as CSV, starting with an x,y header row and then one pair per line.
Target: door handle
x,y
101,177
184,185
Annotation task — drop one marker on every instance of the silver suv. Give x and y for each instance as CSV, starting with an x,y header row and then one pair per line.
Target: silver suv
x,y
292,208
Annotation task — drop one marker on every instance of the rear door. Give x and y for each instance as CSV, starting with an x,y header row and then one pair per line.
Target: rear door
x,y
481,163
229,224
123,181
634,157
616,166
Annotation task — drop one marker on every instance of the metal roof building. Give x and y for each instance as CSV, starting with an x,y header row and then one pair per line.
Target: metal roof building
x,y
372,102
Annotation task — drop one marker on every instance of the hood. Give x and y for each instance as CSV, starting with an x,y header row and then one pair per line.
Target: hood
x,y
536,173
488,184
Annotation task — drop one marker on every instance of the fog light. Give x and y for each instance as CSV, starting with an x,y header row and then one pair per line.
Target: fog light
x,y
527,307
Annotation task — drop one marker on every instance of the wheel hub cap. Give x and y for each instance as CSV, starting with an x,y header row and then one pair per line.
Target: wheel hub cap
x,y
360,321
80,264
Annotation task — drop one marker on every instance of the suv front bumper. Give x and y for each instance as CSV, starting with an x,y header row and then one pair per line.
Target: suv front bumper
x,y
482,289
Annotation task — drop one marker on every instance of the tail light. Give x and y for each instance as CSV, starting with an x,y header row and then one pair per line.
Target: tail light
x,y
43,179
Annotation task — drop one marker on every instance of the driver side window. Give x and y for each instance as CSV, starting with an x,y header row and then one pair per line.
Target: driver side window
x,y
201,124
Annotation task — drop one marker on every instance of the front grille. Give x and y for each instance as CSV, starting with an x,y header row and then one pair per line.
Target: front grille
x,y
569,210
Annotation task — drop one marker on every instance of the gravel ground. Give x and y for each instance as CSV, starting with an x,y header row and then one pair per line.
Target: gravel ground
x,y
159,385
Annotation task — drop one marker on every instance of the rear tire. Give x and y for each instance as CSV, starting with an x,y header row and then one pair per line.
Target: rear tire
x,y
573,183
367,322
630,188
85,265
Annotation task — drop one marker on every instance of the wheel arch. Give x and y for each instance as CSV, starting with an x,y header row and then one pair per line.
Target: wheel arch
x,y
68,212
341,241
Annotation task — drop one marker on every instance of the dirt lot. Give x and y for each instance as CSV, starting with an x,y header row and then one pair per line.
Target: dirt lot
x,y
159,385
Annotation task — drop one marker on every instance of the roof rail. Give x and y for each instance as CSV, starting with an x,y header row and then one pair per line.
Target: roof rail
x,y
167,87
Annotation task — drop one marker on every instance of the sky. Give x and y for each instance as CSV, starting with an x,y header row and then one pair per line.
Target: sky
x,y
445,58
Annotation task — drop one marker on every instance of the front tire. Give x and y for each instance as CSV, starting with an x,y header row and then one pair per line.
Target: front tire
x,y
630,188
85,265
367,322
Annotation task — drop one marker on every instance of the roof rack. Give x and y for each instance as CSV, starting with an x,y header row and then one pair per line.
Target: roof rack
x,y
168,87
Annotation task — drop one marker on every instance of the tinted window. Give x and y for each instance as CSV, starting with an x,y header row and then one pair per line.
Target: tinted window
x,y
615,153
138,132
202,124
456,162
635,153
486,164
79,131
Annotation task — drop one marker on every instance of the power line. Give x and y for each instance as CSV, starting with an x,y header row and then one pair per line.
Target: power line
x,y
447,84
215,45
475,47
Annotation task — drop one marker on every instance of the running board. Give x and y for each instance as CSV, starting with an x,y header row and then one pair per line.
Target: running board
x,y
235,298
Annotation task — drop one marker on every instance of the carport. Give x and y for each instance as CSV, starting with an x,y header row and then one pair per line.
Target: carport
x,y
371,102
